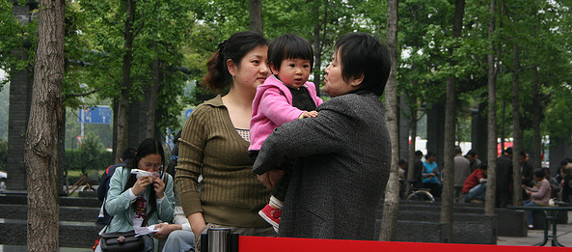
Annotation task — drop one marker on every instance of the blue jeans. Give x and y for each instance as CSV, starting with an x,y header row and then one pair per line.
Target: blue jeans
x,y
477,192
180,240
527,203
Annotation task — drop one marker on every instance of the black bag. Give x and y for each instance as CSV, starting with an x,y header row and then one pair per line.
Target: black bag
x,y
121,241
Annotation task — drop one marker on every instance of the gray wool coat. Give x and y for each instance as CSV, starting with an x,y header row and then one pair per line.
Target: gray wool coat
x,y
341,168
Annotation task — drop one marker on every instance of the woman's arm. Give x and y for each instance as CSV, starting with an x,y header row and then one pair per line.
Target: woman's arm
x,y
188,169
166,208
197,222
311,136
117,199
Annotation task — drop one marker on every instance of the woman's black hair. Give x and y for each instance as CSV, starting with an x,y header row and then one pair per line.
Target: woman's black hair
x,y
289,46
362,55
147,147
539,173
234,48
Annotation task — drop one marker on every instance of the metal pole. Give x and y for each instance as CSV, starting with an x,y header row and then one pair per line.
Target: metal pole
x,y
218,239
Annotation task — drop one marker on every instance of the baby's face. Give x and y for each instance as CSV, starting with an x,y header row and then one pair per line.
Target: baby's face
x,y
293,72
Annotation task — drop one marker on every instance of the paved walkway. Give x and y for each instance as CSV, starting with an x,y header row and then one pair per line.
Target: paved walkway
x,y
564,233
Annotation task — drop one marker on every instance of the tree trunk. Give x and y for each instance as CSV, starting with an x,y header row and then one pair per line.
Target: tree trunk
x,y
517,141
391,203
492,118
318,44
123,108
411,157
535,159
152,104
41,151
255,17
448,196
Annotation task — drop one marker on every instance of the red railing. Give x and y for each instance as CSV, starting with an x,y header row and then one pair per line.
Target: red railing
x,y
270,244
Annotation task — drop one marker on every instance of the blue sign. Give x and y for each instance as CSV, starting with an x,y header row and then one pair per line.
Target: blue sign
x,y
188,112
96,115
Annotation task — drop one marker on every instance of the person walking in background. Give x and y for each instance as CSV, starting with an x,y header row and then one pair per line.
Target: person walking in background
x,y
462,168
342,155
526,170
140,193
504,178
539,194
418,169
214,144
285,96
430,175
474,159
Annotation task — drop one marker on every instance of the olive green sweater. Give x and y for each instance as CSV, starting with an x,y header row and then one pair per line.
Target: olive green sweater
x,y
229,193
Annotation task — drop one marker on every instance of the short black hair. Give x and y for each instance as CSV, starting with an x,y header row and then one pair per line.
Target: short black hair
x,y
418,153
402,161
289,46
522,154
363,55
539,173
471,153
429,154
458,150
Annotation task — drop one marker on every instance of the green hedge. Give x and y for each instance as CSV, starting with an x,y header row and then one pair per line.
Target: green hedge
x,y
90,156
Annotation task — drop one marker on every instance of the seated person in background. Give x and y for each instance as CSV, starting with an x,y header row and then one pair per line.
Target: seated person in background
x,y
539,194
475,186
180,236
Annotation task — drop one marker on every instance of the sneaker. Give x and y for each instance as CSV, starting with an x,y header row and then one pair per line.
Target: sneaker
x,y
271,215
530,226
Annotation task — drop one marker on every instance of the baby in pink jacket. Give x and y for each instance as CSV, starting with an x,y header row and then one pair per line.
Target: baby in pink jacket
x,y
285,96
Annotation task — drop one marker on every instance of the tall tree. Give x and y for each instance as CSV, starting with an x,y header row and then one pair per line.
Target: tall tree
x,y
41,152
391,203
492,116
516,135
255,11
125,86
448,196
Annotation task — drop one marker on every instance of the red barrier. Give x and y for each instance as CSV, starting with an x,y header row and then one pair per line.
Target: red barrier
x,y
271,244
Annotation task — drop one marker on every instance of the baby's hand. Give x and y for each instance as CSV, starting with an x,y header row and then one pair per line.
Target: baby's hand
x,y
309,114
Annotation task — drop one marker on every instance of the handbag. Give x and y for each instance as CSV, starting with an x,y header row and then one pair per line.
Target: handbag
x,y
121,241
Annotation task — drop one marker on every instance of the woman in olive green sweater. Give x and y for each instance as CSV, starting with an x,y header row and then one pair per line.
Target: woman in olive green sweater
x,y
214,144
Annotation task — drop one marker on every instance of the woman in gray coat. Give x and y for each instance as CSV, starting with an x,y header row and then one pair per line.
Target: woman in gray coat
x,y
341,157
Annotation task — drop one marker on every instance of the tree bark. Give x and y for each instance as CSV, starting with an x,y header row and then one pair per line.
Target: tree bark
x,y
448,196
41,151
535,159
492,118
318,43
123,108
517,141
255,17
411,156
391,203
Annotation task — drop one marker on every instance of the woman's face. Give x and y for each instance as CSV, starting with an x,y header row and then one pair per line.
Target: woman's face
x,y
334,83
151,163
253,69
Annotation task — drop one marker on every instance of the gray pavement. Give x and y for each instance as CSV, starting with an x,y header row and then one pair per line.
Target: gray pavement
x,y
564,236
